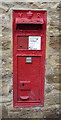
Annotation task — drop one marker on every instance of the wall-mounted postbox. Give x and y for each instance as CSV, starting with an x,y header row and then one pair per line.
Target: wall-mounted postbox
x,y
29,42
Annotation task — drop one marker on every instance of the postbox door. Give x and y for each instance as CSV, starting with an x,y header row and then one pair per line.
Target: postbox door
x,y
29,78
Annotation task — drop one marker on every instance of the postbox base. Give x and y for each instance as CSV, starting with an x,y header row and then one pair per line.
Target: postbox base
x,y
28,105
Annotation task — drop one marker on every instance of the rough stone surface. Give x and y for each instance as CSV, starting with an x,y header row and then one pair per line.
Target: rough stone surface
x,y
5,111
53,69
52,97
0,111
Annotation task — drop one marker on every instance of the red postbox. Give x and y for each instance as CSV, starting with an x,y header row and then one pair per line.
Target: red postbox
x,y
29,43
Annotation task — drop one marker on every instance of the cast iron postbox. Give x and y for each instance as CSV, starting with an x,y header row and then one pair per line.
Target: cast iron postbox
x,y
29,43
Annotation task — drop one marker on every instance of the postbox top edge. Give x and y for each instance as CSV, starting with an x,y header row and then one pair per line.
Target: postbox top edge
x,y
28,9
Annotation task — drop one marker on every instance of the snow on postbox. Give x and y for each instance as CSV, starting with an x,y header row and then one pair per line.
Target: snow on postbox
x,y
29,42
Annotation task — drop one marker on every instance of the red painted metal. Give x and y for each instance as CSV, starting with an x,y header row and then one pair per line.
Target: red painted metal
x,y
28,65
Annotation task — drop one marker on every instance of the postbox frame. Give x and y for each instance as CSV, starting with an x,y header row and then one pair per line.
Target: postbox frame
x,y
41,53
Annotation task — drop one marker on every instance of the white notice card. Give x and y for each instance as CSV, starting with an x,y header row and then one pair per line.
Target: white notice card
x,y
34,43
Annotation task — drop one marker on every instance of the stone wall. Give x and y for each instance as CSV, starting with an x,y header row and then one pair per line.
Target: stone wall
x,y
52,85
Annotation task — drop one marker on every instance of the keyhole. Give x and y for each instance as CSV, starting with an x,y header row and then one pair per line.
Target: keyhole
x,y
22,84
20,46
